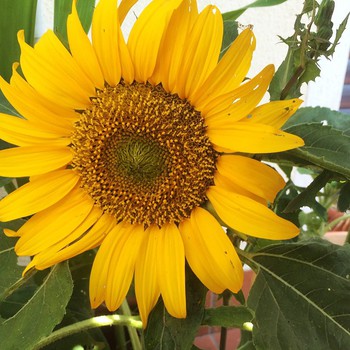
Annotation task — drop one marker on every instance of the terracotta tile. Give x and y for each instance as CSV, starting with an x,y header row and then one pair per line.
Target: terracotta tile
x,y
206,342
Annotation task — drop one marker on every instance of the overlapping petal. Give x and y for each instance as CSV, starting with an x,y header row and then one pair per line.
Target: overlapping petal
x,y
51,70
67,248
33,160
252,138
117,253
210,253
229,72
274,113
82,50
150,24
147,287
38,194
173,45
202,52
171,270
54,223
109,44
246,215
254,176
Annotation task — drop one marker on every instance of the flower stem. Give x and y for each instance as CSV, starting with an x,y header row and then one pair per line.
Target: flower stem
x,y
95,322
223,336
134,338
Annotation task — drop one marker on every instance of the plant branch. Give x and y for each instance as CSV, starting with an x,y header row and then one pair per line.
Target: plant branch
x,y
134,338
95,322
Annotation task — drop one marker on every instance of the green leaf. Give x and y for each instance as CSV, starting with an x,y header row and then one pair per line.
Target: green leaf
x,y
230,34
327,138
79,309
233,15
38,317
307,197
10,271
5,106
344,198
63,8
339,34
301,296
164,332
227,316
14,15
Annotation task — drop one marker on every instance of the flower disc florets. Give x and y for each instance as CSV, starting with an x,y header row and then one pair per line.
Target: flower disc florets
x,y
143,154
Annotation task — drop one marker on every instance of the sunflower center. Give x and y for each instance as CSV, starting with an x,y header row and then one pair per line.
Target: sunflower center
x,y
140,160
143,154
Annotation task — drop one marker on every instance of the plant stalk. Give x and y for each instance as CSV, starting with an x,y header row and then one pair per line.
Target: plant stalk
x,y
95,322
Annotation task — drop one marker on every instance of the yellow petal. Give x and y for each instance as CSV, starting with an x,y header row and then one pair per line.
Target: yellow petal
x,y
108,42
171,270
53,224
64,114
230,71
201,52
82,50
51,70
146,276
21,132
125,245
33,160
245,215
87,241
254,176
274,113
151,24
174,45
36,108
225,183
252,138
243,99
48,256
210,253
38,194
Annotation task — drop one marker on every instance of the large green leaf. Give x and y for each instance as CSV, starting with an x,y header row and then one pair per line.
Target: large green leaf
x,y
38,317
14,15
327,138
79,309
63,8
233,15
301,297
230,34
164,332
10,270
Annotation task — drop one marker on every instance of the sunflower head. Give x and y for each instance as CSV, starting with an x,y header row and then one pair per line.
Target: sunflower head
x,y
128,142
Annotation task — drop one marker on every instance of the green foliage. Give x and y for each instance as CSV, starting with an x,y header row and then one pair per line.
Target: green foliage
x,y
310,41
14,16
301,296
230,34
326,134
41,313
344,197
233,15
63,8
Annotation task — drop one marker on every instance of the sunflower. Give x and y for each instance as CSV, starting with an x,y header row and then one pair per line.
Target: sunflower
x,y
143,148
